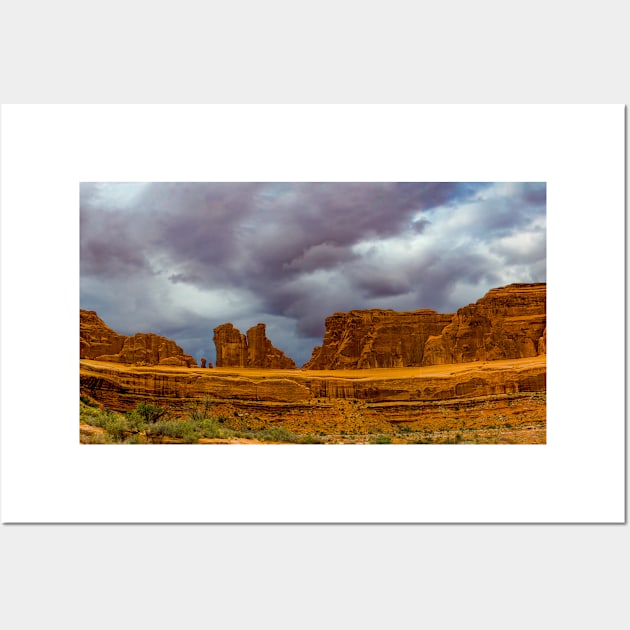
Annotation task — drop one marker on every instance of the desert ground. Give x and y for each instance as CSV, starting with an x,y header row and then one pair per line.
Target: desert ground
x,y
483,402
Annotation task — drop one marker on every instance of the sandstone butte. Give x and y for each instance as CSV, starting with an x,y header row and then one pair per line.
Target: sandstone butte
x,y
507,323
101,343
253,350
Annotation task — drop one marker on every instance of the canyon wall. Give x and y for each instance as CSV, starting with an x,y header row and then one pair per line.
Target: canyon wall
x,y
507,323
122,387
101,343
376,339
253,350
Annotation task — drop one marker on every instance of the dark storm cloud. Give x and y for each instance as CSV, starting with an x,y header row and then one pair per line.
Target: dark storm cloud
x,y
109,247
434,282
377,283
183,257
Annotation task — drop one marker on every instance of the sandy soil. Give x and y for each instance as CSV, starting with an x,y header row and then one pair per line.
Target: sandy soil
x,y
368,374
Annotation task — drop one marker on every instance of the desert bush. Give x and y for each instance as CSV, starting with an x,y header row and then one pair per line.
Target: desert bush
x,y
149,412
115,427
209,428
201,409
310,439
381,439
178,429
96,417
92,438
278,434
135,421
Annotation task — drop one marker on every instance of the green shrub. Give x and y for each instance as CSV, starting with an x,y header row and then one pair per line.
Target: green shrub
x,y
381,439
86,400
209,428
149,412
115,428
135,421
182,430
92,438
200,410
278,434
96,417
310,439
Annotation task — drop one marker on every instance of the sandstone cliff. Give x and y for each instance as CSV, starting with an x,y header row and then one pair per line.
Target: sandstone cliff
x,y
96,337
231,346
261,352
122,387
376,339
100,342
507,323
252,350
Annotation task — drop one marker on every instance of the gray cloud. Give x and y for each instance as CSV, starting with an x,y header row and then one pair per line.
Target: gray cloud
x,y
180,258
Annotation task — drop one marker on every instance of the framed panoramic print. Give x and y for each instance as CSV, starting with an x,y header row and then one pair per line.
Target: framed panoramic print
x,y
313,314
399,313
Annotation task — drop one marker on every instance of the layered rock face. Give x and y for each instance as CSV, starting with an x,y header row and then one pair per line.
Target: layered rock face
x,y
231,346
261,352
252,350
97,338
101,343
376,339
507,323
121,387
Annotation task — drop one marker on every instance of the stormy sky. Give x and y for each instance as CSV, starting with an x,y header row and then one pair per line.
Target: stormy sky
x,y
178,259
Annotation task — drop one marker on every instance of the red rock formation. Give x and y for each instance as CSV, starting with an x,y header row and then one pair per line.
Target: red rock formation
x,y
121,387
252,350
97,337
376,339
261,352
507,323
542,343
101,343
231,346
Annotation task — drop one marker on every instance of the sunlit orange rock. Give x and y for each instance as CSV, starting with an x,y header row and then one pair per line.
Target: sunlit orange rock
x,y
98,341
376,339
507,323
252,350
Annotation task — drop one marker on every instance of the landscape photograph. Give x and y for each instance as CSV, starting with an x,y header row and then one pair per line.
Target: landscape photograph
x,y
363,313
